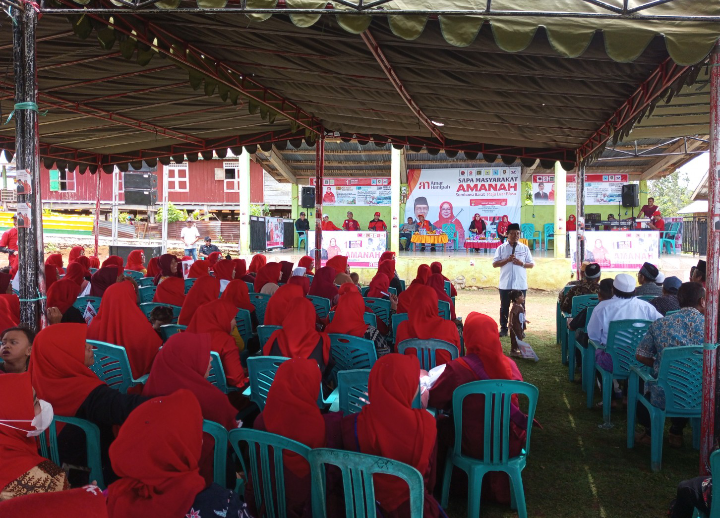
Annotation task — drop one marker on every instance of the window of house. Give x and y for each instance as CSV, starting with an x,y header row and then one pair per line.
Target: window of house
x,y
232,177
67,180
177,177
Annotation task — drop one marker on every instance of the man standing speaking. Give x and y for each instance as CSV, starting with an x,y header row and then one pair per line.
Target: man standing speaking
x,y
513,258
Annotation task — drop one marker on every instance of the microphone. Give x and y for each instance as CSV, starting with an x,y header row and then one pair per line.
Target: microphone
x,y
513,249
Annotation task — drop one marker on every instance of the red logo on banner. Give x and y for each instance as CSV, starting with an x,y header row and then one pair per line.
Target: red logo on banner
x,y
480,202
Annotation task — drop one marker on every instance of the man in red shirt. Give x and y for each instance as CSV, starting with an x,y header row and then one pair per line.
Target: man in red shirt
x,y
9,245
657,222
327,224
424,224
376,224
350,223
650,209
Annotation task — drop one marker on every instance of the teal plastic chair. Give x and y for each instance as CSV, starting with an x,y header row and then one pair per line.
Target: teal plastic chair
x,y
260,301
392,291
402,283
623,338
82,302
579,303
496,450
667,238
302,239
147,308
189,284
321,304
147,293
217,374
451,232
250,287
92,445
220,435
310,278
168,330
358,482
560,324
93,270
444,309
265,453
672,312
113,367
577,348
264,333
352,390
369,318
135,275
548,235
244,325
350,353
261,371
448,288
680,376
397,318
381,308
528,232
647,298
426,350
364,290
146,281
715,500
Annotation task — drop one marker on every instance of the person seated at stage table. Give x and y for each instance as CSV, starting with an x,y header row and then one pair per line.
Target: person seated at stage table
x,y
589,285
649,208
428,227
60,299
136,261
646,278
350,223
668,301
206,289
610,218
348,319
15,349
477,226
329,225
407,297
657,222
376,224
484,360
502,229
406,232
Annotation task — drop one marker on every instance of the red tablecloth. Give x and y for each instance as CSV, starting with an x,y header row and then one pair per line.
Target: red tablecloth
x,y
483,245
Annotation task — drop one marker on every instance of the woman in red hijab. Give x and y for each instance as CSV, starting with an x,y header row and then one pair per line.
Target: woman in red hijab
x,y
502,228
22,470
238,295
213,258
94,261
79,275
286,267
224,272
282,303
153,267
62,295
170,291
75,252
157,454
57,260
405,299
437,267
437,282
120,321
136,261
9,311
339,263
256,263
240,268
298,337
168,266
51,275
218,319
307,262
270,273
571,223
183,363
206,289
102,279
302,281
387,266
115,260
483,360
323,285
348,319
423,322
199,269
387,256
379,286
85,262
390,427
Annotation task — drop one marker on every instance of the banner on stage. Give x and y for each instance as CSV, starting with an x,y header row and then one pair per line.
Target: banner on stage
x,y
275,233
357,192
543,188
619,250
363,249
604,189
456,195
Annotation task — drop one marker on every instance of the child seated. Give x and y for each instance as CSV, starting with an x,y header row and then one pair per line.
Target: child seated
x,y
160,316
356,279
518,324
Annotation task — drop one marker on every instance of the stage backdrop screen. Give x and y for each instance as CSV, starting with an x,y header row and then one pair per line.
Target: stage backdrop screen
x,y
275,233
363,249
456,195
618,250
355,192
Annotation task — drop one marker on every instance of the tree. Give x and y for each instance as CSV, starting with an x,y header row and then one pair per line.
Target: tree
x,y
174,214
671,193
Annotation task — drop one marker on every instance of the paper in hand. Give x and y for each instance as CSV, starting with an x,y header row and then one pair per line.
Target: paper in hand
x,y
89,313
526,351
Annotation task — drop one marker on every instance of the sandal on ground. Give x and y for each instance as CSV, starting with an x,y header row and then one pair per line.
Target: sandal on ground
x,y
516,354
642,437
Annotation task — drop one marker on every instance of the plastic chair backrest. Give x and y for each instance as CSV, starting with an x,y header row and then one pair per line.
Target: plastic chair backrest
x,y
267,467
392,291
261,370
244,325
448,288
427,350
135,275
260,301
220,434
92,445
353,390
351,352
450,231
147,293
402,283
364,290
113,366
672,312
715,468
264,333
310,278
397,318
681,376
580,302
147,308
381,308
444,309
93,270
217,373
171,329
322,305
82,302
146,281
369,318
188,284
496,422
623,338
358,482
548,232
250,287
647,298
528,231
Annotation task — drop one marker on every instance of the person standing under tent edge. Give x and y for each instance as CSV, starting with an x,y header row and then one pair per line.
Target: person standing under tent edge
x,y
513,258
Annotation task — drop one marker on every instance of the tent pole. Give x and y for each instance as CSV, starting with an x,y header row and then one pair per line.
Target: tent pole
x,y
713,269
580,218
96,225
30,240
319,172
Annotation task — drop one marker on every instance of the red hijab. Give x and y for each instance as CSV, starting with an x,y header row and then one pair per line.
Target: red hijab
x,y
115,260
256,263
213,317
94,262
338,263
57,368
387,267
213,258
349,313
298,337
205,289
387,256
286,267
153,268
237,294
503,225
405,299
270,273
199,269
170,291
5,280
58,504
379,286
436,267
19,452
390,427
62,294
9,312
75,252
480,333
224,270
282,303
57,260
164,268
301,281
160,474
323,284
291,409
424,322
120,321
135,261
76,272
102,279
51,275
85,262
307,262
181,364
437,282
240,268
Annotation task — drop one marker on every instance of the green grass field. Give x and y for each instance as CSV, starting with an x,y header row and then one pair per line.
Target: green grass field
x,y
576,469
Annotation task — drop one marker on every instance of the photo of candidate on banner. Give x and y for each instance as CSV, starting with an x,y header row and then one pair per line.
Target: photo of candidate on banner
x,y
618,251
363,249
543,188
275,233
454,196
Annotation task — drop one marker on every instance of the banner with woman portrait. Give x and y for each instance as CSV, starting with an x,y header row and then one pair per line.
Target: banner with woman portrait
x,y
455,195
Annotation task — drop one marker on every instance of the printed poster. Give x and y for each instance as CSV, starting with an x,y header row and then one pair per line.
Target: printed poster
x,y
543,189
363,249
23,181
275,233
355,192
621,250
24,218
456,195
186,265
604,189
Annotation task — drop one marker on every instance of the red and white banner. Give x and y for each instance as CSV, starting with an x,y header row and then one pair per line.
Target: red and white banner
x,y
355,192
622,250
363,249
274,229
543,189
604,189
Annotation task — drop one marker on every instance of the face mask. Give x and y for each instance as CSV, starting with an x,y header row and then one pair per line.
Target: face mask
x,y
41,422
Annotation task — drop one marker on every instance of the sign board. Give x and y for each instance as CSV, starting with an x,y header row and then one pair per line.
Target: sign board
x,y
604,189
620,250
23,181
275,234
543,189
355,192
363,249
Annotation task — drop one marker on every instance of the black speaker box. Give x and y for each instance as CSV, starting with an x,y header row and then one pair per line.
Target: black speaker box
x,y
308,197
630,195
140,181
145,198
